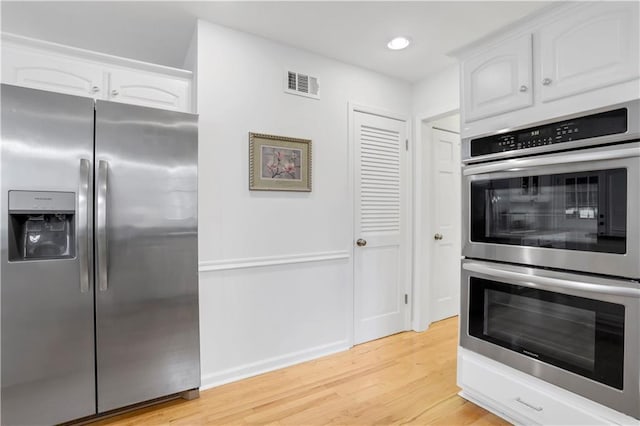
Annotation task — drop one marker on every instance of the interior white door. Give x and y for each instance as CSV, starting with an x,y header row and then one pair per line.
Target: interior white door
x,y
381,257
445,261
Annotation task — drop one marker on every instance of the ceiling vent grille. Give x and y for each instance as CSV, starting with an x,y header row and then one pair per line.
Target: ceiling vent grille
x,y
302,85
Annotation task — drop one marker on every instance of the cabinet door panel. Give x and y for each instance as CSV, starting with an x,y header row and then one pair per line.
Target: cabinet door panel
x,y
146,89
589,49
50,72
498,80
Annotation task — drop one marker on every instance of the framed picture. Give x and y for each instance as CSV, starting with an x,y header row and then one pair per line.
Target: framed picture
x,y
278,163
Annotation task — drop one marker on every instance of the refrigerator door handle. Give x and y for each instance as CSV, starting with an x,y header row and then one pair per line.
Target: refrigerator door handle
x,y
101,224
83,225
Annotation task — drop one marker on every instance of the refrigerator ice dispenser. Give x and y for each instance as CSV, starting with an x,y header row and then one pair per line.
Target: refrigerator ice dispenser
x,y
41,225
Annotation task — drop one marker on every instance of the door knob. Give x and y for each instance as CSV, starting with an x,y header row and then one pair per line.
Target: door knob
x,y
438,237
361,242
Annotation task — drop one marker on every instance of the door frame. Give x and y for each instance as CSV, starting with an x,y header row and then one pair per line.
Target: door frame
x,y
353,108
421,273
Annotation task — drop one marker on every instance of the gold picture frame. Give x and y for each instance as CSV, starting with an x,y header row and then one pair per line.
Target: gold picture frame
x,y
279,163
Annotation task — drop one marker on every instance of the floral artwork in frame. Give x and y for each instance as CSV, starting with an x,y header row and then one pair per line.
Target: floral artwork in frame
x,y
278,163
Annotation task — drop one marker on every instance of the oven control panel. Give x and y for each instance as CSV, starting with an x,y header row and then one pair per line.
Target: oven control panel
x,y
590,126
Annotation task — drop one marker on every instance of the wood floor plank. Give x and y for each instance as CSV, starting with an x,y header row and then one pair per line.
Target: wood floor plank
x,y
404,379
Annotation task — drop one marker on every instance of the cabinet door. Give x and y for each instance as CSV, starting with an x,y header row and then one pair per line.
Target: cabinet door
x,y
498,80
589,48
148,89
51,72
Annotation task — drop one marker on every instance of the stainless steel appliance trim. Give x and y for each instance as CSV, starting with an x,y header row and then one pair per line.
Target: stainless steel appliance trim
x,y
101,222
621,265
534,281
633,150
82,239
42,201
625,401
633,132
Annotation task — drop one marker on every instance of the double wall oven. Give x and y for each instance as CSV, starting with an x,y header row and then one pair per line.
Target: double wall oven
x,y
551,246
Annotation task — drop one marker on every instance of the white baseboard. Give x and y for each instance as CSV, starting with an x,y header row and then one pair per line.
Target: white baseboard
x,y
271,364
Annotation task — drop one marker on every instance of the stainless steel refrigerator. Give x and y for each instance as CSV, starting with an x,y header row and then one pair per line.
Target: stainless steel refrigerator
x,y
99,256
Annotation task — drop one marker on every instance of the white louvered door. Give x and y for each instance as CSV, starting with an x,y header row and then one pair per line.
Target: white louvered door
x,y
381,258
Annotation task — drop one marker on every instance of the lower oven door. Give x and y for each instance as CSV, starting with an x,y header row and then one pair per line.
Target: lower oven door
x,y
578,332
576,211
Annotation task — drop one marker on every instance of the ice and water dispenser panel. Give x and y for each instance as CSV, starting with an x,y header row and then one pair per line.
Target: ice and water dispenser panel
x,y
41,225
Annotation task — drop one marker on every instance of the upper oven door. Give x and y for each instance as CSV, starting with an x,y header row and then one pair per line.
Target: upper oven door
x,y
576,211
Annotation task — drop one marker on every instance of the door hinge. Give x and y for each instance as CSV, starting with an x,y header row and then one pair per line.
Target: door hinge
x,y
406,144
406,299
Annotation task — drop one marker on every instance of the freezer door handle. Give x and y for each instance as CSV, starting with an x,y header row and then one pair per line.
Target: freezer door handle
x,y
83,225
101,224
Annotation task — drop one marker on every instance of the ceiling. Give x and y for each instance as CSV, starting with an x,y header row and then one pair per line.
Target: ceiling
x,y
352,32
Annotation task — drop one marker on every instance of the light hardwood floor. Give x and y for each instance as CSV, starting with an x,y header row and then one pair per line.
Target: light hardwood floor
x,y
408,378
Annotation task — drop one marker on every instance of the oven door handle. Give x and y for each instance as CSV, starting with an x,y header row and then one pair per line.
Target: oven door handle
x,y
535,281
528,163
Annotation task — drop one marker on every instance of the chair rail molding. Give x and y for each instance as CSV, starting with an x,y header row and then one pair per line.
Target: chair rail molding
x,y
259,262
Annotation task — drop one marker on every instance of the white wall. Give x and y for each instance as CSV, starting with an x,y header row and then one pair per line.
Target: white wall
x,y
258,318
434,97
437,94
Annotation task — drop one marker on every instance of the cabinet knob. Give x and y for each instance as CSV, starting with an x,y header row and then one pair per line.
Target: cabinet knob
x,y
523,88
438,237
95,89
546,82
361,242
114,92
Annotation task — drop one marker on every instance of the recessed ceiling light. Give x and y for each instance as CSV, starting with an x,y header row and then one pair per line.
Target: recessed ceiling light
x,y
398,43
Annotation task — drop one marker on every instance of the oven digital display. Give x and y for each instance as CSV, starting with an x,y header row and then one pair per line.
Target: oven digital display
x,y
591,126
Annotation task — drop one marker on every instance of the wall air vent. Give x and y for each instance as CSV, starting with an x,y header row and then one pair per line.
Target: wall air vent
x,y
302,85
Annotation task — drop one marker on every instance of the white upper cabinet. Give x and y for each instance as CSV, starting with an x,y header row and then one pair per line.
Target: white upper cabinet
x,y
498,80
148,89
29,68
49,66
567,58
593,48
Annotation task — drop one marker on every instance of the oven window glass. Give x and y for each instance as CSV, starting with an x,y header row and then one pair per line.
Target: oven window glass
x,y
581,335
573,211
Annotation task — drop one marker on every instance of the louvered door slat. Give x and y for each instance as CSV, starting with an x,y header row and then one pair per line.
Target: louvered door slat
x,y
368,171
379,163
388,156
377,141
380,148
379,179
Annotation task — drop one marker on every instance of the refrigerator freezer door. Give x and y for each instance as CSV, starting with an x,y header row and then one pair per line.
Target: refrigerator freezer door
x,y
47,331
146,262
